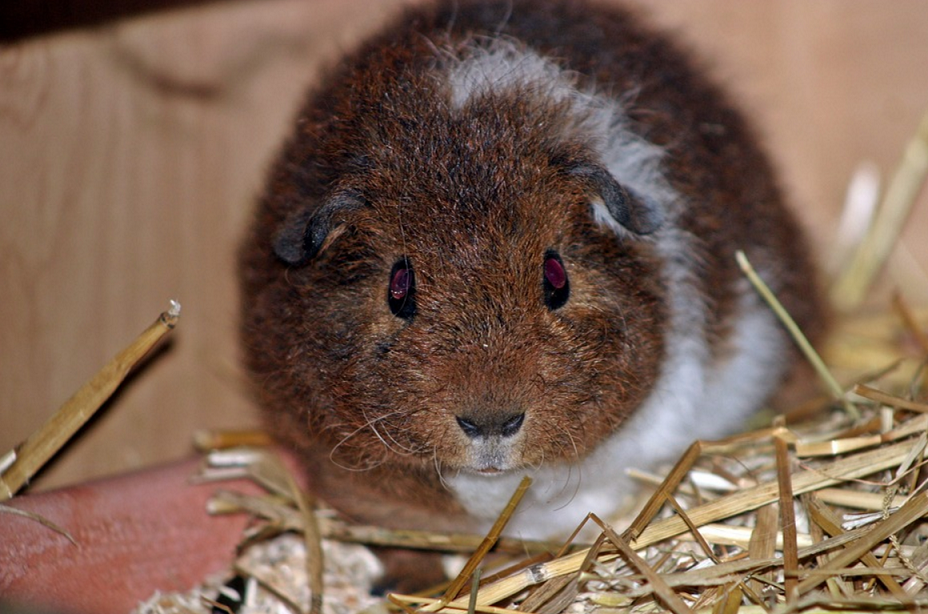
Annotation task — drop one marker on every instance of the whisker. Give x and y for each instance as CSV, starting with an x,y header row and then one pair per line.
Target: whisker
x,y
402,450
570,471
372,424
438,469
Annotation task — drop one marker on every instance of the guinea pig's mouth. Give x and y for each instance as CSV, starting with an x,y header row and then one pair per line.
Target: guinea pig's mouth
x,y
491,457
490,468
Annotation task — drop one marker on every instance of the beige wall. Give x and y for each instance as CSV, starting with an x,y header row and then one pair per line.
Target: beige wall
x,y
130,155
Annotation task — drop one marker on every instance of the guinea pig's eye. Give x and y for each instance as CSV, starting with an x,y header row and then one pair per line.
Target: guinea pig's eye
x,y
400,295
557,288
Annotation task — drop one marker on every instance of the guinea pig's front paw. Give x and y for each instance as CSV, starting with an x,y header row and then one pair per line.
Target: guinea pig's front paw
x,y
408,571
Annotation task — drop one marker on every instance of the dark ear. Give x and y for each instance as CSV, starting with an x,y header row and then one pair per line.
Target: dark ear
x,y
637,214
304,232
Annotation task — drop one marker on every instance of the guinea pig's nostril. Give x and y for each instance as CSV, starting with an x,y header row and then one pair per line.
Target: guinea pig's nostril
x,y
511,427
506,426
470,428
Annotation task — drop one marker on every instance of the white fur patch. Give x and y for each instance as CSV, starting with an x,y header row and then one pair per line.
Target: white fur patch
x,y
500,65
693,397
494,67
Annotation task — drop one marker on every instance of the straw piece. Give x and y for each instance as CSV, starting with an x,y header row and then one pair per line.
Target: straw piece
x,y
763,542
6,509
727,535
787,518
857,499
862,571
474,589
887,399
849,444
7,460
312,537
39,447
207,441
915,454
730,604
694,530
801,340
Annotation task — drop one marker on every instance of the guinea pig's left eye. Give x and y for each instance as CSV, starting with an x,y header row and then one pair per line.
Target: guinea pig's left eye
x,y
557,288
400,295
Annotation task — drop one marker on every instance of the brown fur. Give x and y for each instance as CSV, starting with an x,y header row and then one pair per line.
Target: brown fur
x,y
474,203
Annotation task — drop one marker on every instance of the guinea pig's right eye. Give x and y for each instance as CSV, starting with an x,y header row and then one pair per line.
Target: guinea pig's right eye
x,y
556,285
400,295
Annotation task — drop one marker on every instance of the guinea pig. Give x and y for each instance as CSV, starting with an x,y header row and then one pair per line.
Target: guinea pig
x,y
501,242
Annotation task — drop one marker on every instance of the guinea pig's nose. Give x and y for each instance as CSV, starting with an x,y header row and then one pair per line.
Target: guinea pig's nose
x,y
499,426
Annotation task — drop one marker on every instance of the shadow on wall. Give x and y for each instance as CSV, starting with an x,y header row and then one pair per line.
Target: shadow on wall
x,y
26,18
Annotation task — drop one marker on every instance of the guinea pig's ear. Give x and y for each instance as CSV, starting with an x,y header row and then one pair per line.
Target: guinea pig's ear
x,y
304,232
636,214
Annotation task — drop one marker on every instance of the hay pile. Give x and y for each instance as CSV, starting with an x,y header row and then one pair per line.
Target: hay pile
x,y
827,515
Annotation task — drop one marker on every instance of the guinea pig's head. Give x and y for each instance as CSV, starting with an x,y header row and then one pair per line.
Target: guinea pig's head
x,y
448,285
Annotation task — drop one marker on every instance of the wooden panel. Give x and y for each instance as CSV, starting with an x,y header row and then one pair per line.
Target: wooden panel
x,y
130,155
129,160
